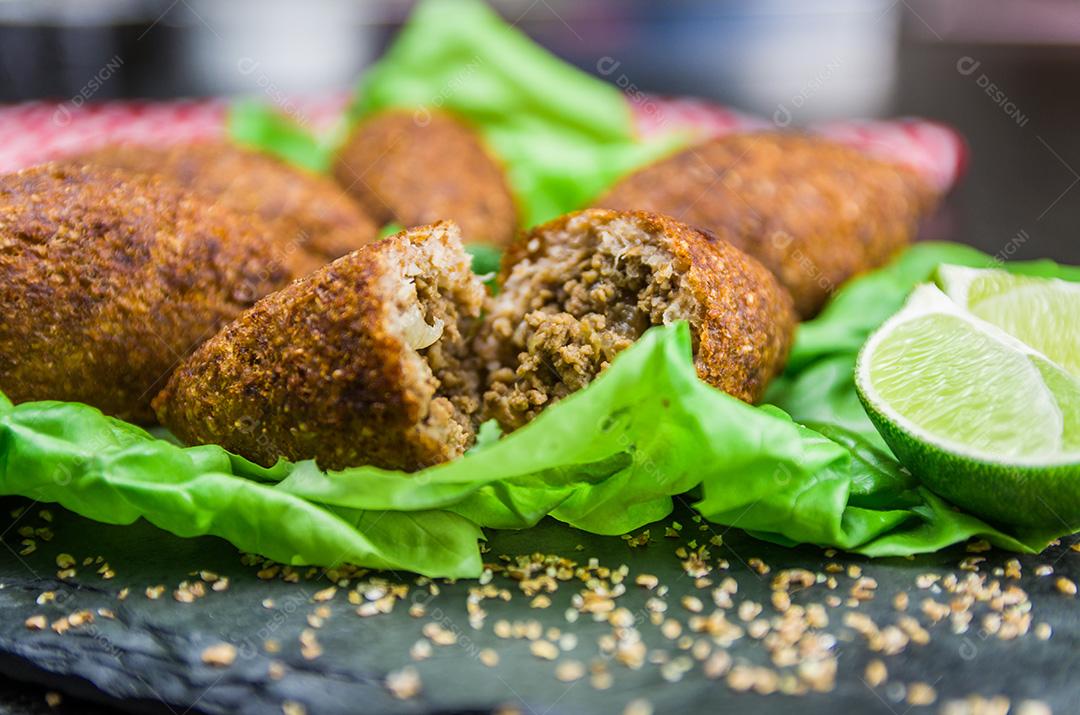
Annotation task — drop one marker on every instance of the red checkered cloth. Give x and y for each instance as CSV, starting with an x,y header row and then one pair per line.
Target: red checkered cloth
x,y
38,131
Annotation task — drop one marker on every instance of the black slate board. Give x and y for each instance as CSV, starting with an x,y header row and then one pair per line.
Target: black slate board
x,y
149,657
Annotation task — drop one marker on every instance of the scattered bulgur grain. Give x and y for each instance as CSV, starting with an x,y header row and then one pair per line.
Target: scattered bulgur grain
x,y
977,705
717,665
671,629
1033,707
439,635
647,580
638,706
601,680
420,650
921,694
971,563
757,629
404,684
749,610
876,673
309,645
1065,586
80,618
220,655
569,671
692,604
544,649
758,565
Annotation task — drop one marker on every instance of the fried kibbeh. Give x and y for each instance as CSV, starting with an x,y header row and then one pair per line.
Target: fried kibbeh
x,y
365,361
414,168
814,212
576,291
108,279
310,214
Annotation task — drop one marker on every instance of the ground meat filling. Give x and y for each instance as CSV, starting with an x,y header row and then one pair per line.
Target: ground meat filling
x,y
564,315
449,357
438,308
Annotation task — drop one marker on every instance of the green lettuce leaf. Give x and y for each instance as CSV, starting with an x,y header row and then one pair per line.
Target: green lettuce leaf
x,y
563,135
256,126
114,472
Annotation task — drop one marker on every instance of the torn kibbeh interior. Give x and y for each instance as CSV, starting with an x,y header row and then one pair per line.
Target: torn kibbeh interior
x,y
365,361
576,291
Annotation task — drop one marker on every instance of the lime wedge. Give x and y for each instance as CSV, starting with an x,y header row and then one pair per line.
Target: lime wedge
x,y
980,417
1042,312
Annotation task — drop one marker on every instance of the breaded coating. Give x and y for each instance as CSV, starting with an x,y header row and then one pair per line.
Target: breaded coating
x,y
365,361
814,212
109,279
413,168
310,215
576,291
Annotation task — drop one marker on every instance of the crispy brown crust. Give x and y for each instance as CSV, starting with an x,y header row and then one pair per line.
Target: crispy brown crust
x,y
414,168
309,214
108,279
746,321
814,212
317,371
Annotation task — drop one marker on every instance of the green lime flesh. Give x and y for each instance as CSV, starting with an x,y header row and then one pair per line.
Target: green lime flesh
x,y
1043,313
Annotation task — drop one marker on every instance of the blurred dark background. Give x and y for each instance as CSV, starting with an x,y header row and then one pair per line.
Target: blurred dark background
x,y
1004,72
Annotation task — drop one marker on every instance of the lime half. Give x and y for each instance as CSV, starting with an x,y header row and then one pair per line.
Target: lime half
x,y
1041,312
980,417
